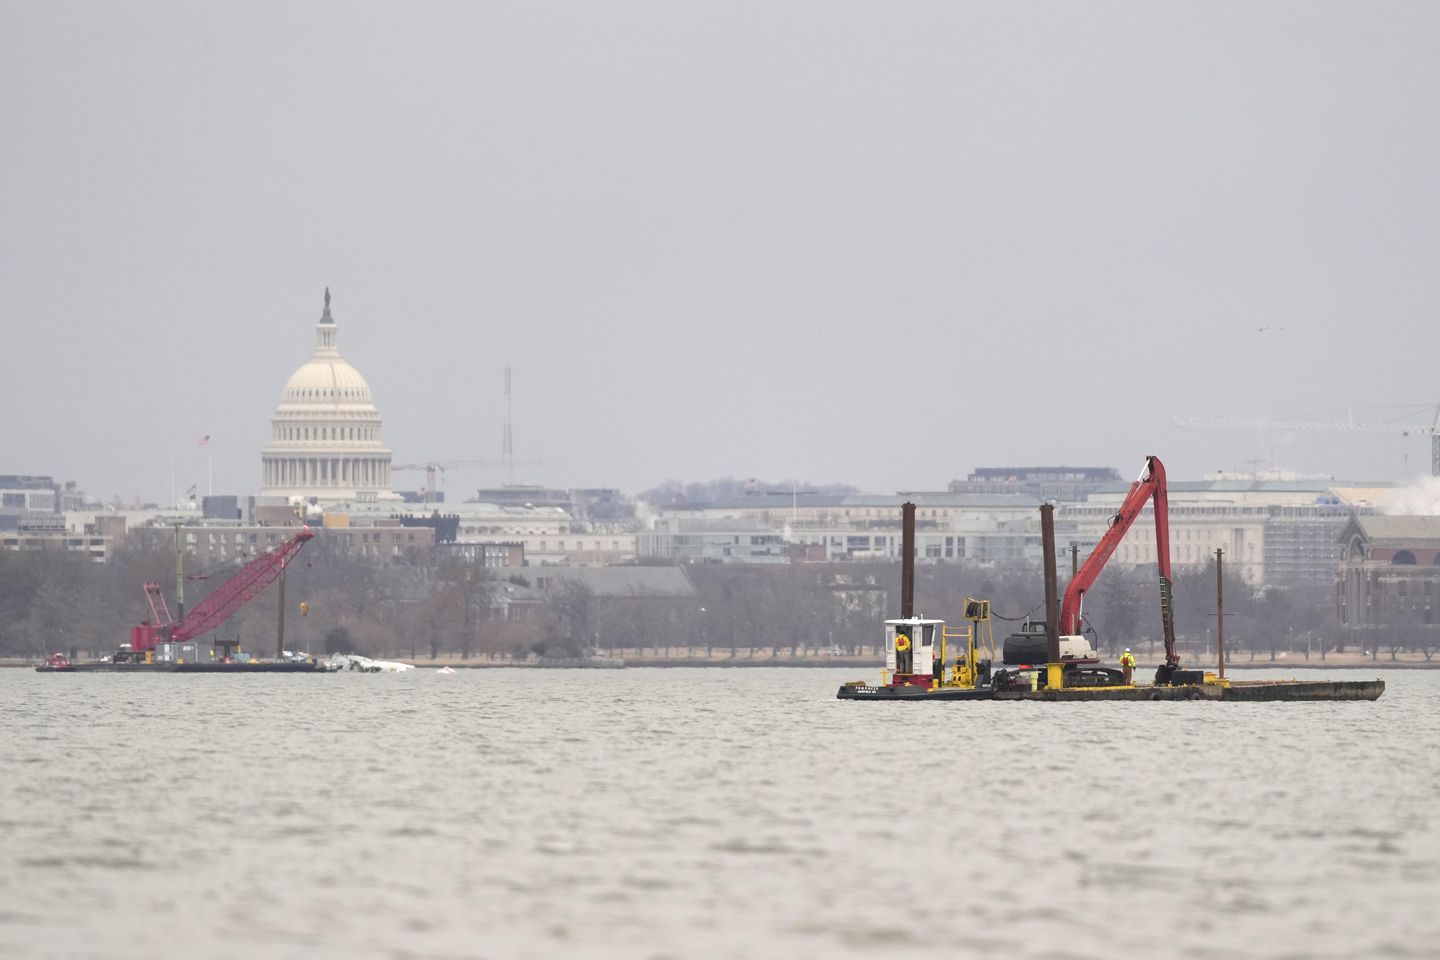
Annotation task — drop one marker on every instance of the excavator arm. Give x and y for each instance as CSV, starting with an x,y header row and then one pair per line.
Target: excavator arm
x,y
1150,485
239,590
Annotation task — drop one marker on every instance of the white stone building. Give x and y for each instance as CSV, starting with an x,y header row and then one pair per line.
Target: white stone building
x,y
780,528
325,437
1273,532
549,535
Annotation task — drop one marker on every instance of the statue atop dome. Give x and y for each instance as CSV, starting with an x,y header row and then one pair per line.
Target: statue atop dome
x,y
325,317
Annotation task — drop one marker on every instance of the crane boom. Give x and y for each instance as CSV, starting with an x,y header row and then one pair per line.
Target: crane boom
x,y
1150,485
1308,425
449,464
239,590
1348,424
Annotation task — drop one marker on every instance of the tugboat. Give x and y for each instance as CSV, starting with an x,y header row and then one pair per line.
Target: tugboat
x,y
917,665
917,649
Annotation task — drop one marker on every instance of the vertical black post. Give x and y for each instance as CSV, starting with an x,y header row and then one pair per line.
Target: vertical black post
x,y
280,622
179,577
1074,560
1220,609
907,561
1052,592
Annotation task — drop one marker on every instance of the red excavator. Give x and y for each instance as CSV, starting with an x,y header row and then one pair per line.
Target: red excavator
x,y
214,610
1027,647
1150,485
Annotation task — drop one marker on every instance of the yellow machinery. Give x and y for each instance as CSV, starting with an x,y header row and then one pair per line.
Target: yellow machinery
x,y
978,641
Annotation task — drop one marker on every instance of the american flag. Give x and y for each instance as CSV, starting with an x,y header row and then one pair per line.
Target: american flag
x,y
203,441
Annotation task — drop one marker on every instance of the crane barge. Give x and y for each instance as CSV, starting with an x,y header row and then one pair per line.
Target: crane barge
x,y
164,644
1054,661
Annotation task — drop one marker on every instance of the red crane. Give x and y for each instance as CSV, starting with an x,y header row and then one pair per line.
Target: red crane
x,y
1150,485
220,605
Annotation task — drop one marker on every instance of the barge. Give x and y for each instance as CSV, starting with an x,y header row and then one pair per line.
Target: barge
x,y
1053,661
59,664
1249,691
166,644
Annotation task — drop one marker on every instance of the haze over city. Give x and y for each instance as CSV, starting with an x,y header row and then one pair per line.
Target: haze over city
x,y
741,240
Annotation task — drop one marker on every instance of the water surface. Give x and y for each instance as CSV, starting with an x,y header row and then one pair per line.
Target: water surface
x,y
704,813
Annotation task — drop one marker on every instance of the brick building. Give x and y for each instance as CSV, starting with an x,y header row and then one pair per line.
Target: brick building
x,y
1389,571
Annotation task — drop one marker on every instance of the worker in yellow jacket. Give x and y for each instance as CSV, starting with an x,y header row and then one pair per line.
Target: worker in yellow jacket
x,y
1127,662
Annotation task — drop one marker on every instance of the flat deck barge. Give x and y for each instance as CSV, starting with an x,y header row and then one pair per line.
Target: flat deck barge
x,y
263,666
1244,691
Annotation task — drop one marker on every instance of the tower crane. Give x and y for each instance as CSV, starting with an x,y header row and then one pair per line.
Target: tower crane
x,y
436,469
1348,424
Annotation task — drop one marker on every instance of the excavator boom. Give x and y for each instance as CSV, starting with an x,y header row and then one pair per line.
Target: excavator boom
x,y
1150,485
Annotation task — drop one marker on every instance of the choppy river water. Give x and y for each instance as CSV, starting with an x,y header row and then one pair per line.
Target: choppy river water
x,y
704,813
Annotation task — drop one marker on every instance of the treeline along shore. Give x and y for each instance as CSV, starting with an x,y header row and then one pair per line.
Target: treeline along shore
x,y
447,609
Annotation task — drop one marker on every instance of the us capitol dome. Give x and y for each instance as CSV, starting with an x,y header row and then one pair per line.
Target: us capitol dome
x,y
325,436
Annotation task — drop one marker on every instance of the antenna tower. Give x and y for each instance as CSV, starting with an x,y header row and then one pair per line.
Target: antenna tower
x,y
507,443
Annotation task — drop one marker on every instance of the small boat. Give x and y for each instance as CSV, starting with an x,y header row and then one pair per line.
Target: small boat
x,y
446,670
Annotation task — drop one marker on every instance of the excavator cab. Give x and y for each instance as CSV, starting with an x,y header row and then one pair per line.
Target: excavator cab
x,y
1029,644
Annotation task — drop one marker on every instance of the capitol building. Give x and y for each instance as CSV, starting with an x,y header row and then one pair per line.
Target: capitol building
x,y
325,436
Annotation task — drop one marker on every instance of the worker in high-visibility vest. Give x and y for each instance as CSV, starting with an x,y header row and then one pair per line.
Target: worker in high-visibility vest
x,y
904,655
1127,662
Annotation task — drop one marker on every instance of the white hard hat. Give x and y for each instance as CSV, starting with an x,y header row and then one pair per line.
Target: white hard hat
x,y
1127,649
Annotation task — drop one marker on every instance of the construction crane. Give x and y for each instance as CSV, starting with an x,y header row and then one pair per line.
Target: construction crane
x,y
215,609
436,469
1348,424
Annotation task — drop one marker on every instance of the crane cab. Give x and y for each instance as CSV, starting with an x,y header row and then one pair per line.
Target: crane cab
x,y
910,651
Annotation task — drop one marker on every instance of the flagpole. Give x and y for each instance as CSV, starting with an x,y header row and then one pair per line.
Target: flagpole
x,y
209,466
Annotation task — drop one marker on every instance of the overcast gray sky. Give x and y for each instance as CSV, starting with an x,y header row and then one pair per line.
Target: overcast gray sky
x,y
879,243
